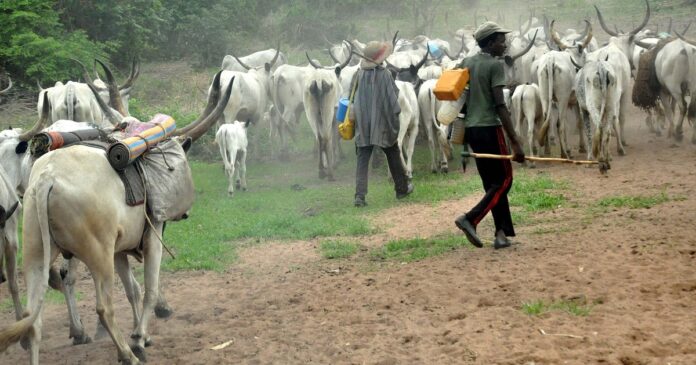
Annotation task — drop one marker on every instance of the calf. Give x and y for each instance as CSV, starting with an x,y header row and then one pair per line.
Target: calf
x,y
232,140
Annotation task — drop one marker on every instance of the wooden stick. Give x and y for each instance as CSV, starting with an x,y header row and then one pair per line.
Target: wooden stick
x,y
530,158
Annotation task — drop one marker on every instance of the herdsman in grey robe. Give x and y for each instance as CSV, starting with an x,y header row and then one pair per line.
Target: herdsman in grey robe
x,y
376,108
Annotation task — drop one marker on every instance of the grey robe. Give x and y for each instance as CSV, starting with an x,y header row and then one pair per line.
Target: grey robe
x,y
376,108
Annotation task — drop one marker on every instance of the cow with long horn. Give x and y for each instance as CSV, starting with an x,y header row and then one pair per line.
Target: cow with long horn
x,y
58,208
320,95
255,60
624,40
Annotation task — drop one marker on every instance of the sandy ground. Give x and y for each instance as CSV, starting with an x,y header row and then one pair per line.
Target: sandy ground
x,y
283,304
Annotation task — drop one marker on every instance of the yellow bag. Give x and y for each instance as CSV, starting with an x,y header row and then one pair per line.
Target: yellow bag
x,y
347,128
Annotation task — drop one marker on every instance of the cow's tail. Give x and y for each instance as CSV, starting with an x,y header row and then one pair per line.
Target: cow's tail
x,y
70,100
544,130
16,331
518,108
691,83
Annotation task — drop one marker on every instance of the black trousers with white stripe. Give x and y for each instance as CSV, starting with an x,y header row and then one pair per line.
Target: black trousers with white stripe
x,y
496,176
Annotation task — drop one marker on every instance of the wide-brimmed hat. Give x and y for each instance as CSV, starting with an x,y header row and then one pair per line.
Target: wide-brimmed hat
x,y
488,28
377,52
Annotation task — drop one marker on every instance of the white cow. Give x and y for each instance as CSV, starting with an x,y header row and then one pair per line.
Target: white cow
x,y
287,90
408,124
599,97
254,60
232,140
320,99
9,224
436,132
556,74
527,112
624,40
675,66
251,92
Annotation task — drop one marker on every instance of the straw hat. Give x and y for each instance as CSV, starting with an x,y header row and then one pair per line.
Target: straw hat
x,y
376,52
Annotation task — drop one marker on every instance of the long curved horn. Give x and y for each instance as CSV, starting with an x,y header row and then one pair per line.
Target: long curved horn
x,y
588,39
686,29
603,24
114,94
347,61
425,58
584,32
562,46
211,118
394,39
8,87
645,20
213,98
689,41
45,109
312,62
577,67
526,49
275,58
240,62
669,27
135,72
643,44
113,116
332,55
38,83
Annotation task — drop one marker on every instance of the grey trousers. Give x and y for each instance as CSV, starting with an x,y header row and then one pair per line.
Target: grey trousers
x,y
398,172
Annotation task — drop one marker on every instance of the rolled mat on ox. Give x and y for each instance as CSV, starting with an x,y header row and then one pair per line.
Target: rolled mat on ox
x,y
48,141
124,152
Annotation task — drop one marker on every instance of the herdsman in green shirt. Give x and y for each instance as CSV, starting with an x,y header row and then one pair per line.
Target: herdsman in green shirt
x,y
486,118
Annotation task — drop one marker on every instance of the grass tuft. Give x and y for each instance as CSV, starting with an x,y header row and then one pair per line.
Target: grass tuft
x,y
337,249
576,307
633,202
415,249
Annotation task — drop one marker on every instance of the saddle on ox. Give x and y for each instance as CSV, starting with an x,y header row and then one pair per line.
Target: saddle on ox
x,y
144,157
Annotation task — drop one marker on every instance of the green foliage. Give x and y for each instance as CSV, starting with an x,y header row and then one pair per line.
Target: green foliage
x,y
633,202
337,249
577,307
536,193
415,249
35,46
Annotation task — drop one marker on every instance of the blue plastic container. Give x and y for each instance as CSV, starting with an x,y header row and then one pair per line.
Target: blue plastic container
x,y
435,51
342,109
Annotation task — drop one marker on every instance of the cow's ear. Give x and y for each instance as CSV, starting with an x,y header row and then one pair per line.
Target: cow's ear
x,y
186,144
21,147
337,70
509,61
267,67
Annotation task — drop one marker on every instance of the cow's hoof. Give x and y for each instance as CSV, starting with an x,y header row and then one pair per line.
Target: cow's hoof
x,y
148,341
2,277
24,342
622,152
679,136
322,174
658,133
139,352
444,170
331,178
237,184
582,150
244,188
163,312
81,340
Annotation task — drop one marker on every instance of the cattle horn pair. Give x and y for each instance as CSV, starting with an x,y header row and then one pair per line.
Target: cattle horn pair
x,y
45,109
461,49
337,68
416,66
509,60
2,92
345,44
114,94
125,88
271,64
562,46
616,33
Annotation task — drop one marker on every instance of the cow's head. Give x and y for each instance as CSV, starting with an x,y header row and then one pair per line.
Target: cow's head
x,y
624,40
337,69
576,50
410,73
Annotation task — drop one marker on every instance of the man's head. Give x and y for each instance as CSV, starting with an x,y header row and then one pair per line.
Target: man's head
x,y
491,38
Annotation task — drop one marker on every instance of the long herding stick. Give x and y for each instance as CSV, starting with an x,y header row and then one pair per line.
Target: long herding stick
x,y
529,158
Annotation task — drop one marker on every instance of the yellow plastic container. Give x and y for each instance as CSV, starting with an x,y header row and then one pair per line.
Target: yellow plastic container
x,y
451,84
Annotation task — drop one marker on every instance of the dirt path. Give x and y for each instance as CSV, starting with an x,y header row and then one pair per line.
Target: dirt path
x,y
284,304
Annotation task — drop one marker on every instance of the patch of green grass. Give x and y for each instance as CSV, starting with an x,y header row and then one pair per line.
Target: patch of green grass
x,y
633,202
536,193
408,250
337,249
52,297
578,308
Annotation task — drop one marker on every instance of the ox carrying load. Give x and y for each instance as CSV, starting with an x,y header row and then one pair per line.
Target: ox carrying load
x,y
646,89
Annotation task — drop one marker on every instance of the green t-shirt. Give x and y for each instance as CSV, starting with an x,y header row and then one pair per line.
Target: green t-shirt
x,y
486,72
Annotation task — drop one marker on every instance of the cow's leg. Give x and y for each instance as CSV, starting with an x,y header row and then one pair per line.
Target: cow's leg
x,y
410,147
241,156
130,285
37,284
153,257
679,130
622,110
11,260
431,145
330,157
322,171
102,268
530,136
443,148
667,107
562,136
77,330
618,129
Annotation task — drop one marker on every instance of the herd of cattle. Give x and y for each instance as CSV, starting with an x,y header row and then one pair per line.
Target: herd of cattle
x,y
554,79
